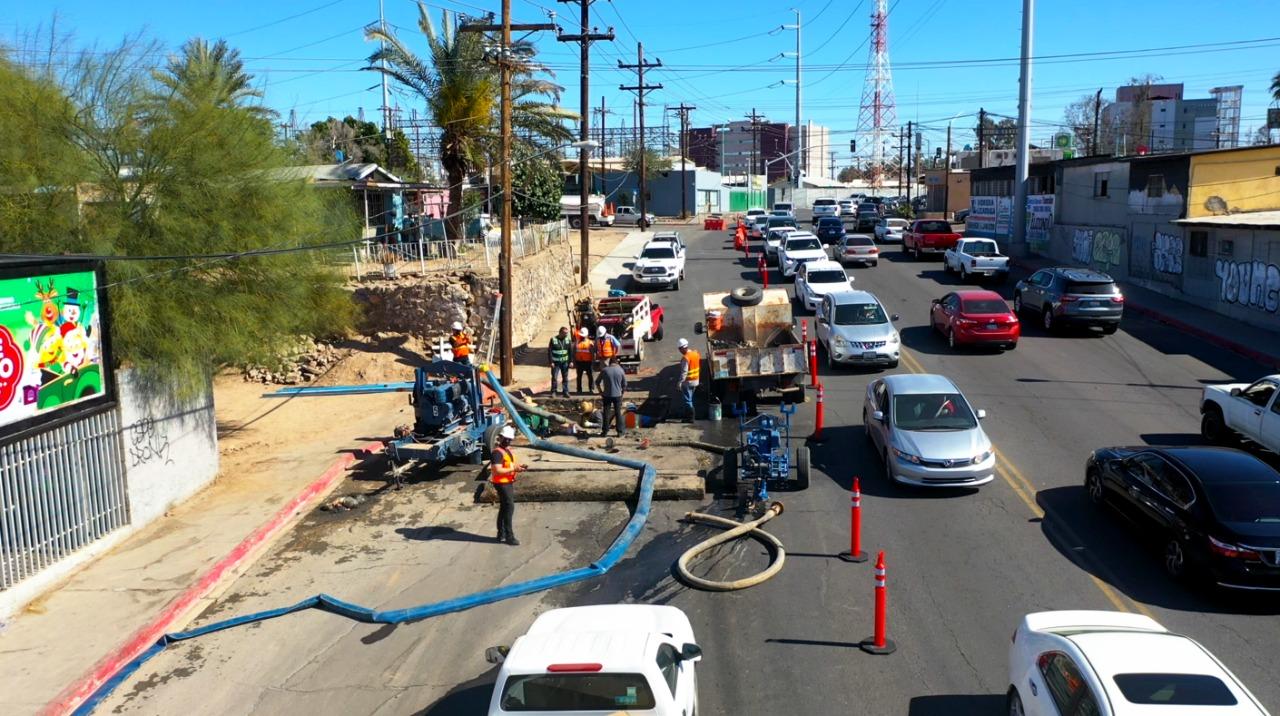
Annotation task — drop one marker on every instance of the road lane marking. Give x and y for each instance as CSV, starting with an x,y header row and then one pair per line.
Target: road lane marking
x,y
1026,492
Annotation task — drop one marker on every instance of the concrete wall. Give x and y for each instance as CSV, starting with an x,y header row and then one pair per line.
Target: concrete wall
x,y
1245,283
1076,201
1246,181
170,447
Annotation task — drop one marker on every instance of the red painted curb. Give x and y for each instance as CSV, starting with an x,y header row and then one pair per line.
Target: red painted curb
x,y
142,639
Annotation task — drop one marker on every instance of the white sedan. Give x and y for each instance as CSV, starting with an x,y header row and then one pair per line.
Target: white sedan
x,y
889,230
1114,663
816,279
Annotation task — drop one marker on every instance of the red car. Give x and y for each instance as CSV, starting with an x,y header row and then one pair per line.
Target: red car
x,y
975,318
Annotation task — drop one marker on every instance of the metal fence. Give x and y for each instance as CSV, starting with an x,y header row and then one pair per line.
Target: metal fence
x,y
59,491
425,255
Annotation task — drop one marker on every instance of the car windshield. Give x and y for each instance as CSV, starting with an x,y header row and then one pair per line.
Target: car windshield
x,y
1091,288
762,219
829,222
658,252
577,692
827,276
781,221
859,314
824,202
932,411
803,244
1174,689
984,305
868,208
896,223
980,248
780,212
1247,502
933,227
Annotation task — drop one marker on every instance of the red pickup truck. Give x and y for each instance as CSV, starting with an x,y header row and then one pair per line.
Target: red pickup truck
x,y
928,236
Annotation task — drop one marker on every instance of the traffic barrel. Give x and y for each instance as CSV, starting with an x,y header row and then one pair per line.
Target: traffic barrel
x,y
880,643
817,419
764,272
813,364
855,553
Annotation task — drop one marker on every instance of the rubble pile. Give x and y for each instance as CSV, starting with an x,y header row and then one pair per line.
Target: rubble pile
x,y
303,363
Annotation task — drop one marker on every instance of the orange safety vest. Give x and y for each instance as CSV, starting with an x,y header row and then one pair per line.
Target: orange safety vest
x,y
583,353
695,365
461,343
606,348
507,459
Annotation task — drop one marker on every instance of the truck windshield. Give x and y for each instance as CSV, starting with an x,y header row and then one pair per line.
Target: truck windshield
x,y
860,314
658,252
933,227
932,411
577,692
803,244
980,248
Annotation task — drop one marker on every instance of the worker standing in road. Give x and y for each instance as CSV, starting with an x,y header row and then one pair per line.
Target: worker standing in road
x,y
461,344
690,373
558,355
502,473
612,383
607,346
584,358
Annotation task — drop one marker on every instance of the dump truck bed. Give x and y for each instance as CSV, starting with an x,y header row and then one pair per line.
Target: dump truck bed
x,y
753,341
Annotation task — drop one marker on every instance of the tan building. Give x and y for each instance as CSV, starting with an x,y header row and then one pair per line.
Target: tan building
x,y
941,198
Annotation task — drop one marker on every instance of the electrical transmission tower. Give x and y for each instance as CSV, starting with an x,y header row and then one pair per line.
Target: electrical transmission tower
x,y
879,112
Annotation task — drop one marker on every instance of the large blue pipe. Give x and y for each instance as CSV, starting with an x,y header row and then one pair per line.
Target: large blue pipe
x,y
326,603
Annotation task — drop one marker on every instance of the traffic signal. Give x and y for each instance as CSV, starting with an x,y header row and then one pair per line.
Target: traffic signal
x,y
853,146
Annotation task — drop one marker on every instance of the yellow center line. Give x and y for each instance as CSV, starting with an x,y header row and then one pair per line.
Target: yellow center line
x,y
1026,492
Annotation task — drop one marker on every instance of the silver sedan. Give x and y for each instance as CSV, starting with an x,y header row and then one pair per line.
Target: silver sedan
x,y
927,433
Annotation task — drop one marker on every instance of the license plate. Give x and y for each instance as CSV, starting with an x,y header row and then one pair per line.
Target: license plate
x,y
991,326
868,355
1092,304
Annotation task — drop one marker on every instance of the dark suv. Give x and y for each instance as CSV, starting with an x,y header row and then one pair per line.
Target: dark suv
x,y
1071,296
830,229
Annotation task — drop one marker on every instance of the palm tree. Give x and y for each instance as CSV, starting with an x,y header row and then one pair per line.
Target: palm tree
x,y
1275,87
461,87
210,75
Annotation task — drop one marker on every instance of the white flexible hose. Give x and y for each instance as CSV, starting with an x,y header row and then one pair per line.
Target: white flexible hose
x,y
778,555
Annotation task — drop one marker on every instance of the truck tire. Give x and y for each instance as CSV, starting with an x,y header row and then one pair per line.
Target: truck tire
x,y
802,468
746,295
575,222
1213,428
490,439
657,336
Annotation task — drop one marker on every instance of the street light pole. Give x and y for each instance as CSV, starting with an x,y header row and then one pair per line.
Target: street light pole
x,y
1024,131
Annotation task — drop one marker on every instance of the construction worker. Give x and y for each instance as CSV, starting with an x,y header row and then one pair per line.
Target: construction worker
x,y
612,384
690,373
740,237
461,343
607,346
558,356
584,358
502,473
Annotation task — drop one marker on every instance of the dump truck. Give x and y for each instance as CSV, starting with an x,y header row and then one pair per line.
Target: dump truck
x,y
752,346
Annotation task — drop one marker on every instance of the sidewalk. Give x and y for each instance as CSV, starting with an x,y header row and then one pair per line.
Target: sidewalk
x,y
169,571
1257,344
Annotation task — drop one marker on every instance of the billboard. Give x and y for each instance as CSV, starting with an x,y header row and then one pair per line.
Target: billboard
x,y
54,355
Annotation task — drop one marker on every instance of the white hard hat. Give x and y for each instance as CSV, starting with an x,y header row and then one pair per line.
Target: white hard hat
x,y
457,325
601,331
583,332
508,432
682,343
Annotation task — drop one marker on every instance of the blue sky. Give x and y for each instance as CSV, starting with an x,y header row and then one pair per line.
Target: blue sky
x,y
310,63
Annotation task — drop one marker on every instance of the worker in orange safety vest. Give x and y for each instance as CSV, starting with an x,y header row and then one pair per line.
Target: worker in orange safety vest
x,y
740,237
461,344
607,345
584,357
502,473
690,374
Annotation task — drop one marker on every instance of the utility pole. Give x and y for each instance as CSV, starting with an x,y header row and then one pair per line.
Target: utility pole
x,y
901,137
755,149
832,167
386,93
1019,238
684,110
505,331
982,137
910,179
946,180
639,88
603,146
1097,109
584,38
801,144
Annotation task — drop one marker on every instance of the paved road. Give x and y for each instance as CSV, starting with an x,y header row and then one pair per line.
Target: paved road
x,y
963,565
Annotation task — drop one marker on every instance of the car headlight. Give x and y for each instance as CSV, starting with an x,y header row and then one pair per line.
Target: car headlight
x,y
894,339
901,455
982,456
839,342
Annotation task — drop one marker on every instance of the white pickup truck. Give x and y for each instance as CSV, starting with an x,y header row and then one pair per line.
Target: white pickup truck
x,y
976,257
611,658
1242,410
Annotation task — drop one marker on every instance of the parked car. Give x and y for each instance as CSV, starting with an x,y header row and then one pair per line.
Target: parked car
x,y
976,257
1215,512
785,206
660,263
890,229
868,215
799,247
829,229
1100,663
847,207
975,318
612,658
928,236
1242,410
1071,296
927,433
773,242
815,279
856,249
853,328
630,216
825,207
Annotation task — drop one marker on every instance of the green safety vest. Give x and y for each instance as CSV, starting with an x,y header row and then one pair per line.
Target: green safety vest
x,y
560,349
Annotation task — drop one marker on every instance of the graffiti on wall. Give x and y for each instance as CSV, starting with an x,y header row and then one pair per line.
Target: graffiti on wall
x,y
1166,253
1249,283
1097,247
147,443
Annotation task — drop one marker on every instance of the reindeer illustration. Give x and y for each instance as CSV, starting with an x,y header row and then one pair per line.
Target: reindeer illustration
x,y
48,309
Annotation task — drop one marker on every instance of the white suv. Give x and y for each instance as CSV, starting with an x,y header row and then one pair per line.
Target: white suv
x,y
660,263
797,248
825,207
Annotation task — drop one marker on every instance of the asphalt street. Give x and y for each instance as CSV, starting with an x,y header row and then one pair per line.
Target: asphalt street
x,y
963,565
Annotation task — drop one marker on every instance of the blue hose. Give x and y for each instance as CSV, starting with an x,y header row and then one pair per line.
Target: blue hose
x,y
326,603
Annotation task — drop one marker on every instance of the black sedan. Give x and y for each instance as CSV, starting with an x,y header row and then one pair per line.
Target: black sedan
x,y
1216,511
830,229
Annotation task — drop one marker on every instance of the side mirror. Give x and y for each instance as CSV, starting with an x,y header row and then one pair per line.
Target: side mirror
x,y
496,654
691,652
936,301
1235,392
982,414
878,416
697,327
895,317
